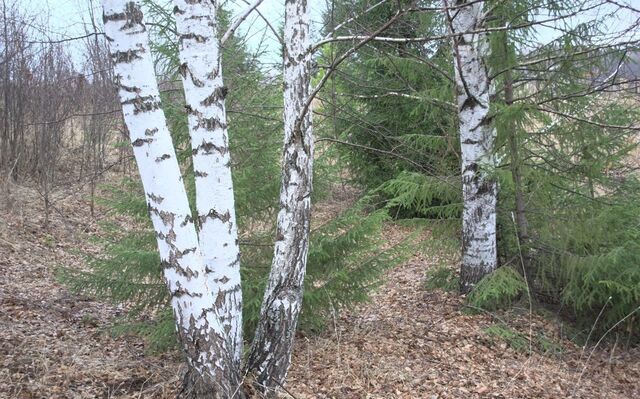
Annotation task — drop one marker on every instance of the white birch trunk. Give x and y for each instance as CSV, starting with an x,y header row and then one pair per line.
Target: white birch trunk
x,y
205,97
194,307
477,136
271,352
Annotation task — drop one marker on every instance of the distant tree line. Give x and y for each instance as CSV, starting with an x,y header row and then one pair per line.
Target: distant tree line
x,y
59,120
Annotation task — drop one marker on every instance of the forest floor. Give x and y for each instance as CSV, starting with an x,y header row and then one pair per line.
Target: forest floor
x,y
407,342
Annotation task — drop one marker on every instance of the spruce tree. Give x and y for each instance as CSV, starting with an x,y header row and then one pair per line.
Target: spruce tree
x,y
564,133
390,109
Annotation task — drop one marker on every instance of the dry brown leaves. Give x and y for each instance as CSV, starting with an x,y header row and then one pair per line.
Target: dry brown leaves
x,y
54,344
406,343
411,343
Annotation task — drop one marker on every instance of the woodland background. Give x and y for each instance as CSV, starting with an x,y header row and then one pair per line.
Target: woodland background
x,y
83,305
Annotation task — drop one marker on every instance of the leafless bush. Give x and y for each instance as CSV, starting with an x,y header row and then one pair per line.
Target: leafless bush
x,y
52,104
17,64
98,97
57,120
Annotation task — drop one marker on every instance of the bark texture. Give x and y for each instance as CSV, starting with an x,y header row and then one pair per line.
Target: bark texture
x,y
271,352
184,271
477,136
205,93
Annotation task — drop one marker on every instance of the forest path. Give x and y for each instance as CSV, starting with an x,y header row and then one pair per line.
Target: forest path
x,y
407,342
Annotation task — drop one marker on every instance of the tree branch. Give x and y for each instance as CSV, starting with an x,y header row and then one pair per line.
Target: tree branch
x,y
239,21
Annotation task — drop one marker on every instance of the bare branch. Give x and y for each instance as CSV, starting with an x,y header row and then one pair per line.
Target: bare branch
x,y
239,21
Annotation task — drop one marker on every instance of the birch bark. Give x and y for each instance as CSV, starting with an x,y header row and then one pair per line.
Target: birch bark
x,y
184,271
199,52
273,343
477,136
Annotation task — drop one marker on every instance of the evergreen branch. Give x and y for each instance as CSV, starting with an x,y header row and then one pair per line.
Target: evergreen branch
x,y
590,122
410,161
341,59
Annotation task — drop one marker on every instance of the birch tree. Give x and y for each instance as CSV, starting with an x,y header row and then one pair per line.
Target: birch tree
x,y
477,136
198,322
273,343
205,97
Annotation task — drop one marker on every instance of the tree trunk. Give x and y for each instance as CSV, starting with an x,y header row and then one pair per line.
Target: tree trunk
x,y
205,96
271,352
520,217
7,150
477,136
516,174
194,307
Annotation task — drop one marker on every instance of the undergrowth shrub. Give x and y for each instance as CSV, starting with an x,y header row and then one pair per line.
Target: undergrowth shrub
x,y
346,258
443,249
598,277
498,290
513,339
443,278
411,194
520,342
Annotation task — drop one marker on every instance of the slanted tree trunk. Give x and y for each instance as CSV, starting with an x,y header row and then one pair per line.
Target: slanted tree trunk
x,y
193,305
205,96
477,136
271,352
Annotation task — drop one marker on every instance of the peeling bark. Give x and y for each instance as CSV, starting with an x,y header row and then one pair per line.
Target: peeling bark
x,y
477,136
271,352
205,94
195,310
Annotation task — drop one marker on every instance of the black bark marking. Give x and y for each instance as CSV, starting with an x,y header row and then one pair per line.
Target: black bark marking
x,y
155,198
151,132
124,57
484,188
132,16
218,95
220,299
141,142
470,141
186,273
192,36
469,102
182,69
129,89
224,218
167,218
180,291
188,219
211,123
143,104
208,148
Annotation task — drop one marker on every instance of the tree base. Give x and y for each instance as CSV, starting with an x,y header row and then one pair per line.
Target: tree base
x,y
195,386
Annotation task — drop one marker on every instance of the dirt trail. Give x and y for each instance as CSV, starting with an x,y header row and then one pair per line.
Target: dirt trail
x,y
406,343
412,343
